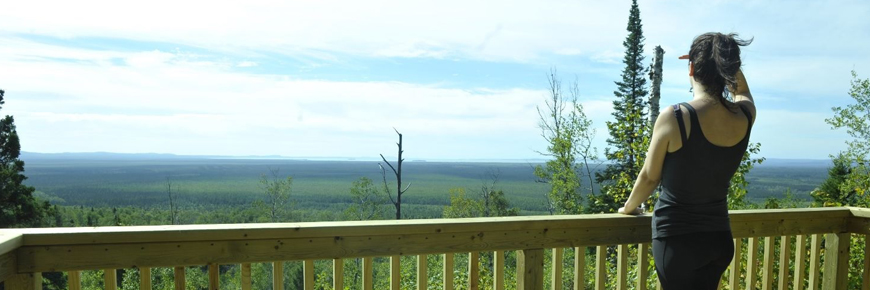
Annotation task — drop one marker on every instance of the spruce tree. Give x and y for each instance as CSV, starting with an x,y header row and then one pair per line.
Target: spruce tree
x,y
18,207
629,129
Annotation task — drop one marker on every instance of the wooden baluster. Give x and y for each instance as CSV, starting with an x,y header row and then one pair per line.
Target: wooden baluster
x,y
498,270
448,271
74,279
865,275
110,279
752,263
800,256
815,249
214,278
473,270
395,272
308,274
556,273
642,264
145,278
530,269
179,278
278,275
367,274
836,261
784,255
621,267
37,281
246,276
338,274
767,272
580,268
600,267
422,272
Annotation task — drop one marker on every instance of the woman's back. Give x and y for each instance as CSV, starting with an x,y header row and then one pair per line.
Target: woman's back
x,y
696,176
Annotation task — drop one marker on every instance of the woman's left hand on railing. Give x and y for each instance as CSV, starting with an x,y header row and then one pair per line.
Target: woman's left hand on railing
x,y
635,211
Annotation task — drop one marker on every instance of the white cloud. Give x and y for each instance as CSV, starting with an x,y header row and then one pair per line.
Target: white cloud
x,y
801,58
160,102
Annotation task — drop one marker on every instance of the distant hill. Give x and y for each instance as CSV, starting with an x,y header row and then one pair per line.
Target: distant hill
x,y
776,162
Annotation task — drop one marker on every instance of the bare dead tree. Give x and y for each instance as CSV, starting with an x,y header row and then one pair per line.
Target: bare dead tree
x,y
398,172
487,189
173,202
655,75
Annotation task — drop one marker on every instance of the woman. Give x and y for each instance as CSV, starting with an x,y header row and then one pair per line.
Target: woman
x,y
694,151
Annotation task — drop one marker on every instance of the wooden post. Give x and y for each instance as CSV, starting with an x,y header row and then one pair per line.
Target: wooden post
x,y
422,272
278,275
110,279
784,254
145,278
395,273
448,271
752,263
642,264
308,274
815,249
836,261
473,270
367,274
767,278
338,274
530,269
800,256
580,268
214,278
179,278
498,270
74,279
621,267
556,273
600,267
246,276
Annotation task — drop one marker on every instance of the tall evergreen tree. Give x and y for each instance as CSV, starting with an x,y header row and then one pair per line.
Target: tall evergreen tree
x,y
629,131
18,207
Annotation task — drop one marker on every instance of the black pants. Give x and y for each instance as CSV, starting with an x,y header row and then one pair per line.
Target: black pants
x,y
694,261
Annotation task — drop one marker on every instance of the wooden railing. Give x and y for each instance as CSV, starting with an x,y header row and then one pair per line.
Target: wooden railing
x,y
26,253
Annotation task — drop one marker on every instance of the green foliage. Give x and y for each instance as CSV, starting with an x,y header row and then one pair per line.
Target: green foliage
x,y
855,118
368,202
834,190
18,207
462,206
737,189
569,145
629,131
276,199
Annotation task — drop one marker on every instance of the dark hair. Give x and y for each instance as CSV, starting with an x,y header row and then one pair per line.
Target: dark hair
x,y
716,59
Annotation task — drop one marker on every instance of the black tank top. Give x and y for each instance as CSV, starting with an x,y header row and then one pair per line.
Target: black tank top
x,y
695,181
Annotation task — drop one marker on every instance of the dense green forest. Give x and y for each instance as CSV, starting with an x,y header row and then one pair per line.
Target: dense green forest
x,y
320,189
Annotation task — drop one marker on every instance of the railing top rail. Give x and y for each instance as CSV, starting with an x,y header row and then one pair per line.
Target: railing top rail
x,y
9,241
55,249
211,232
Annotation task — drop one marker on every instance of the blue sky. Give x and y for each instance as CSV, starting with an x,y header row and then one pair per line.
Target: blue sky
x,y
460,79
